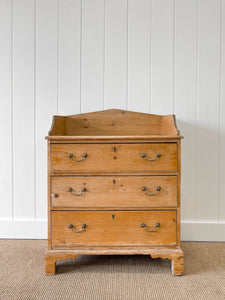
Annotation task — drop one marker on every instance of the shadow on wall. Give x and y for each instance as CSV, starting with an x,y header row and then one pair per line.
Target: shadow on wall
x,y
200,170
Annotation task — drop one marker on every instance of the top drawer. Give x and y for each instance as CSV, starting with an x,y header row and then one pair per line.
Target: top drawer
x,y
75,158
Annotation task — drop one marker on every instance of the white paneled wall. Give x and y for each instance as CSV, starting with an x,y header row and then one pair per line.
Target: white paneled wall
x,y
73,56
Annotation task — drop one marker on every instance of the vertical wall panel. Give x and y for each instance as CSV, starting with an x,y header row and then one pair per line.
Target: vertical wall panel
x,y
92,55
139,55
222,119
185,98
5,109
162,38
69,26
115,54
208,110
23,108
46,93
71,56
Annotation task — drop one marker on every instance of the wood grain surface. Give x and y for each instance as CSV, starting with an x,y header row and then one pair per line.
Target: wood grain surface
x,y
113,228
113,191
113,157
114,186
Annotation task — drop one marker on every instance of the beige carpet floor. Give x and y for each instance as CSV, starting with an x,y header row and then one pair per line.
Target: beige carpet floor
x,y
110,277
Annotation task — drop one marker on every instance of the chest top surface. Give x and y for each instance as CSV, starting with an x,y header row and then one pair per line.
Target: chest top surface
x,y
114,124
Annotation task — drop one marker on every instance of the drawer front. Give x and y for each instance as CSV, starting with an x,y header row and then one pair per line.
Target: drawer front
x,y
114,191
72,158
113,228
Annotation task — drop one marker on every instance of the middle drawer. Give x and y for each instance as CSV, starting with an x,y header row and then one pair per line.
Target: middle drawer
x,y
114,191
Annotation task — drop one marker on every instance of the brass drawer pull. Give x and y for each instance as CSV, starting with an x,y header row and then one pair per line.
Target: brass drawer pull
x,y
144,155
76,231
143,225
144,189
83,156
83,190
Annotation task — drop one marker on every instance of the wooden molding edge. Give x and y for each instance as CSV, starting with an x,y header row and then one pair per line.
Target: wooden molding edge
x,y
58,126
175,124
169,126
176,256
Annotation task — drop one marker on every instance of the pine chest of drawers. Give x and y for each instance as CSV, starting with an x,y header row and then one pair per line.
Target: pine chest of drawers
x,y
114,186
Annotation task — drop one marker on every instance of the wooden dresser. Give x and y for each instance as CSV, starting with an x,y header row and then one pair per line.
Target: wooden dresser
x,y
114,186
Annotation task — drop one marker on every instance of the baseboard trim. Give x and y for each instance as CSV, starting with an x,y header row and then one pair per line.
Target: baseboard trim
x,y
23,229
203,231
37,229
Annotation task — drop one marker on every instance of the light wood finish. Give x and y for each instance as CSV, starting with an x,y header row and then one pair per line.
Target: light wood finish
x,y
109,228
113,122
114,191
50,261
58,126
174,254
102,157
114,139
113,204
177,264
169,126
49,195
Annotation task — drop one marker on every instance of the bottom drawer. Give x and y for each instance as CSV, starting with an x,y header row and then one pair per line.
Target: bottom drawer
x,y
113,228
